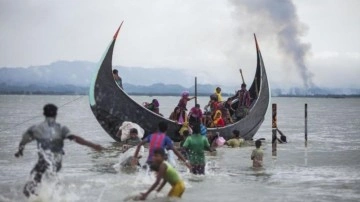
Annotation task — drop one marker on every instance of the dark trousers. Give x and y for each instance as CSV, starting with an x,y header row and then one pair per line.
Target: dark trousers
x,y
198,169
38,171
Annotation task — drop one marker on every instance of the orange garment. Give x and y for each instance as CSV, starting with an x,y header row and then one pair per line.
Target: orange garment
x,y
218,120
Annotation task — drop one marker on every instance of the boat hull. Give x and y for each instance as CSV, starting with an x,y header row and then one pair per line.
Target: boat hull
x,y
112,106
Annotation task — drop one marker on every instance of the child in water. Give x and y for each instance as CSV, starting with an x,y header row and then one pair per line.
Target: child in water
x,y
257,155
165,173
236,141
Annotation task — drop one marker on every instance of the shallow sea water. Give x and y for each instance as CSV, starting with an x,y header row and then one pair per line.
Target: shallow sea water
x,y
328,170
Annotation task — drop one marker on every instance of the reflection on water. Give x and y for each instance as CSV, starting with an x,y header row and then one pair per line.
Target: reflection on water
x,y
329,173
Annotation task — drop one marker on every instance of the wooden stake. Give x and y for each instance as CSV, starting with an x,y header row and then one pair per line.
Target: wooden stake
x,y
306,127
274,129
196,91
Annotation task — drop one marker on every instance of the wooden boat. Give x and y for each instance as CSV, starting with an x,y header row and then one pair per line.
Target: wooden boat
x,y
112,106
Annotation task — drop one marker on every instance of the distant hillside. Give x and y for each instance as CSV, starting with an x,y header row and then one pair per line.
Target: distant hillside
x,y
65,77
155,89
79,73
58,73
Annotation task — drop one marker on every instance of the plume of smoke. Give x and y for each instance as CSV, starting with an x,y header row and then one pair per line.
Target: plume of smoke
x,y
279,17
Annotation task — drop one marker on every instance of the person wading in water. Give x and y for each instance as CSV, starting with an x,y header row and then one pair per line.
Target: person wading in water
x,y
50,137
158,140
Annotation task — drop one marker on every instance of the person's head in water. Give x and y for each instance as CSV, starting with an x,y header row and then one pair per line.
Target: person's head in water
x,y
236,133
50,110
159,156
243,86
115,71
133,133
163,126
197,106
258,144
218,90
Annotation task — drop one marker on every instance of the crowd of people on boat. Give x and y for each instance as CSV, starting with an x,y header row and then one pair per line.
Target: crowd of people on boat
x,y
217,113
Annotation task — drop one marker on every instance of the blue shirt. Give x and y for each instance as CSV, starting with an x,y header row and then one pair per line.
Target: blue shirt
x,y
156,141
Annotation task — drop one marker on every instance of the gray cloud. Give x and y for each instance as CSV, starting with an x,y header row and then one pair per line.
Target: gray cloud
x,y
202,37
282,20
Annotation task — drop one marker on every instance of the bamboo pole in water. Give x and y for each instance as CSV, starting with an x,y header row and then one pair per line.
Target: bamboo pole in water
x,y
274,130
306,122
306,129
196,91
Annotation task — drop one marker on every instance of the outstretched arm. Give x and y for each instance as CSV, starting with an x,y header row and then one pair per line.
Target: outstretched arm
x,y
180,156
161,186
159,177
207,145
27,137
136,155
84,142
138,147
235,96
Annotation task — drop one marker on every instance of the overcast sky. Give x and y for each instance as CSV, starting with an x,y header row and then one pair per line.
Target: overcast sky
x,y
207,38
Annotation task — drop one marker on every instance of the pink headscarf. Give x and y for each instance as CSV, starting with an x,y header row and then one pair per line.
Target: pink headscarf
x,y
185,94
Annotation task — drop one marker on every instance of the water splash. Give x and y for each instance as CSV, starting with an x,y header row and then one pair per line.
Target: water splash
x,y
51,188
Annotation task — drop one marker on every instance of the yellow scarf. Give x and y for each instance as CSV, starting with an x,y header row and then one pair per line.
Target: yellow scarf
x,y
219,96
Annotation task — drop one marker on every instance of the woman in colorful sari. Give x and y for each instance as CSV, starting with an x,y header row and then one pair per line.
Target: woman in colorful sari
x,y
184,99
218,120
178,115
